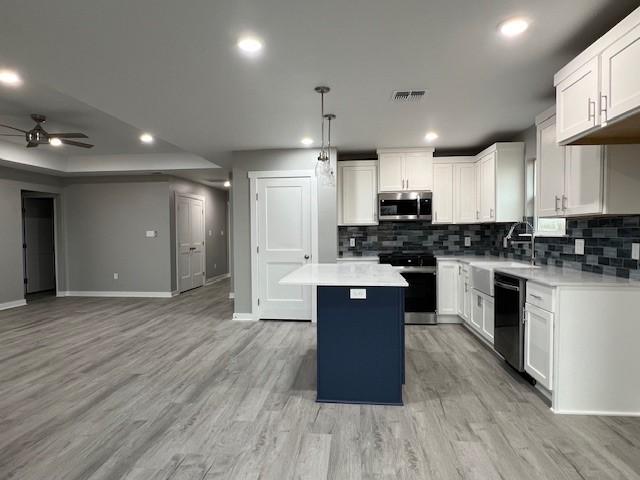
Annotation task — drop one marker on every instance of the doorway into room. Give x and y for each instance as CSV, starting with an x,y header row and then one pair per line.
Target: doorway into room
x,y
38,245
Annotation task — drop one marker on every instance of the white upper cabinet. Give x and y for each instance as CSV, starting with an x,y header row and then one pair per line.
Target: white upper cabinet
x,y
577,98
443,193
598,93
418,171
621,76
465,209
405,170
550,170
488,187
501,183
391,172
358,192
583,180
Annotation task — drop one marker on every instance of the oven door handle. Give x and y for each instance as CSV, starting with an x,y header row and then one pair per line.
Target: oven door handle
x,y
513,288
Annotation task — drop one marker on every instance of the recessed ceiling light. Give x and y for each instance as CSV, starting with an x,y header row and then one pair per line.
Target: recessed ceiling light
x,y
227,183
431,136
146,138
306,141
10,78
54,141
250,45
514,27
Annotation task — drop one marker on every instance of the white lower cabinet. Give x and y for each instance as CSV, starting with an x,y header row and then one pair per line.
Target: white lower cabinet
x,y
538,344
447,283
464,292
483,314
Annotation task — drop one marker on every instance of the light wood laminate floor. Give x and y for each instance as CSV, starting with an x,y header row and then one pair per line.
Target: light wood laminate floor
x,y
172,389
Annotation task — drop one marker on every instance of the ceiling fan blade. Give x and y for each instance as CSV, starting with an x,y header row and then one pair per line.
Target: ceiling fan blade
x,y
32,144
13,128
67,135
10,135
76,144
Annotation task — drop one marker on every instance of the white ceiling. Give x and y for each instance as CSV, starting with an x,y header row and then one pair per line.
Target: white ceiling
x,y
172,67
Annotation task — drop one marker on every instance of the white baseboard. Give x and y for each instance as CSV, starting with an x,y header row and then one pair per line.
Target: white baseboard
x,y
13,304
116,294
175,293
244,317
232,295
599,413
217,278
449,319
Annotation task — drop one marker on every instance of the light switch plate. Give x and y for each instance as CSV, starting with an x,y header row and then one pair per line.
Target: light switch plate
x,y
358,293
210,233
505,242
115,276
467,241
579,246
352,242
635,251
151,233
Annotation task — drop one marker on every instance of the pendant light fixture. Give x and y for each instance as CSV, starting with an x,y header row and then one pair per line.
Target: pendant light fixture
x,y
324,172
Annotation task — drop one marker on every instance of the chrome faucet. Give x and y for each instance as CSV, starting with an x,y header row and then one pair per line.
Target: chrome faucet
x,y
532,235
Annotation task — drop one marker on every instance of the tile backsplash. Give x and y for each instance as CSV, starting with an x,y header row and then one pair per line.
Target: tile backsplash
x,y
608,242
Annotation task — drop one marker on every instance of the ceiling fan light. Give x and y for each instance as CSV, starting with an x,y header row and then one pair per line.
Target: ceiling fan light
x,y
55,142
146,138
227,183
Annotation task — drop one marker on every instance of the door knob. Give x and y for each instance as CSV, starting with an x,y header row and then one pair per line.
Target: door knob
x,y
306,257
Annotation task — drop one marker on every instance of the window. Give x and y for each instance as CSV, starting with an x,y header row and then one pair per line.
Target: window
x,y
551,227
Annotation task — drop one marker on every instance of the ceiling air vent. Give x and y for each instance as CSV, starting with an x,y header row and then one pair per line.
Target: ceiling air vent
x,y
408,96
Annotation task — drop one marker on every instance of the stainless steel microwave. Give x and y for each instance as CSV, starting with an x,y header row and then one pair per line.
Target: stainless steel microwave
x,y
405,206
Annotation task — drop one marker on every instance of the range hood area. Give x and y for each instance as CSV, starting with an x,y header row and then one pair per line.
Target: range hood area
x,y
598,92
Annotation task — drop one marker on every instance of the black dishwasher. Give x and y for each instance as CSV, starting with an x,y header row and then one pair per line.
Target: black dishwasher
x,y
510,295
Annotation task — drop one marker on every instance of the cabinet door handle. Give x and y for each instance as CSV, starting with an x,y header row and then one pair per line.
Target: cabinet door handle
x,y
477,214
565,202
592,116
537,297
557,202
436,216
491,212
407,184
603,108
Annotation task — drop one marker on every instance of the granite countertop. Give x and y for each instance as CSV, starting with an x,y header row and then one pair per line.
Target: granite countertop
x,y
345,275
545,274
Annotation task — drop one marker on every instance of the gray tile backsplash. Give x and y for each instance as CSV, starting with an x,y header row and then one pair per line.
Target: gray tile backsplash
x,y
608,242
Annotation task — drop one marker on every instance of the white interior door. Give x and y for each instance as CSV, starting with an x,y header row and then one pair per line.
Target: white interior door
x,y
190,232
39,255
284,244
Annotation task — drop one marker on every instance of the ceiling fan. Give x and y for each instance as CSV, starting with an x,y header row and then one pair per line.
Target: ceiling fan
x,y
39,136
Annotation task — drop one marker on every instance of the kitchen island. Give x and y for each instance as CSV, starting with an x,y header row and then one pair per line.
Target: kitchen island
x,y
360,331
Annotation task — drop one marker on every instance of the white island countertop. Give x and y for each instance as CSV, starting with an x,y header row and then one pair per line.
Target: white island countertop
x,y
345,275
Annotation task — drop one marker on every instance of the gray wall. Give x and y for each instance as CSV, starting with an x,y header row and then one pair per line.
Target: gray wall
x,y
105,224
216,234
12,182
268,160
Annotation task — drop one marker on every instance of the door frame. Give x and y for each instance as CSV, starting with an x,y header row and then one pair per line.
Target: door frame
x,y
55,197
254,176
177,240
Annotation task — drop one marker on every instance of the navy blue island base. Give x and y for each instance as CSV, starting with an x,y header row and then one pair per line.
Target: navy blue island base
x,y
360,345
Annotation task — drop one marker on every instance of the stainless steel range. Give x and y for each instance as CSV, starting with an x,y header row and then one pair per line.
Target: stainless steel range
x,y
419,270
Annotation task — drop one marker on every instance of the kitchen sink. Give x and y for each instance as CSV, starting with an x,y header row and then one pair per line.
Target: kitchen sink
x,y
482,274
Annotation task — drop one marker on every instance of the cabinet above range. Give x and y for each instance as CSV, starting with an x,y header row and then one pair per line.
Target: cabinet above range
x,y
405,169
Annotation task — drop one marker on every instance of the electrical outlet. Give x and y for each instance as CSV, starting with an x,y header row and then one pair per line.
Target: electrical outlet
x,y
505,242
579,246
210,232
115,276
635,251
151,233
222,233
467,241
352,242
215,265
